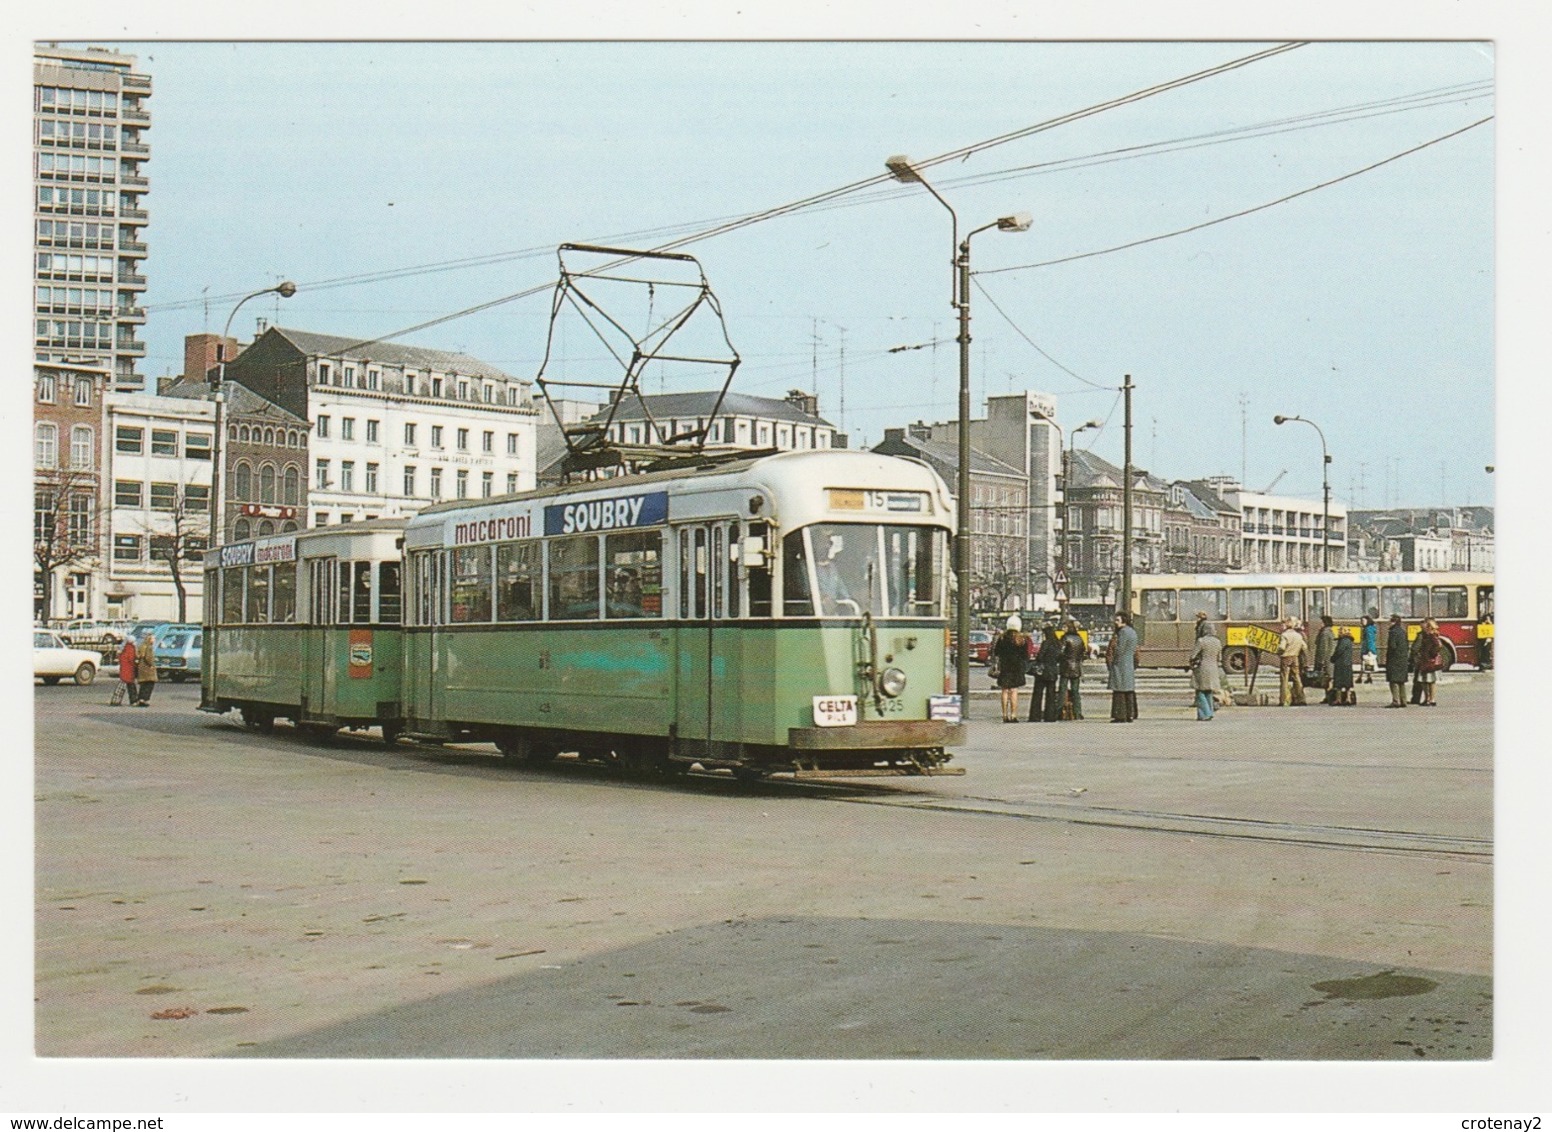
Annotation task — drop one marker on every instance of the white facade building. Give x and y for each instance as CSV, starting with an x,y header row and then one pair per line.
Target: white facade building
x,y
1283,533
158,496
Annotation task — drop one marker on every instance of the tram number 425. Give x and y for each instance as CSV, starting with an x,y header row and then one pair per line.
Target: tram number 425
x,y
835,711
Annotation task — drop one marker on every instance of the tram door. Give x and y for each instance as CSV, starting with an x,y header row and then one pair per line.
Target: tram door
x,y
317,664
706,672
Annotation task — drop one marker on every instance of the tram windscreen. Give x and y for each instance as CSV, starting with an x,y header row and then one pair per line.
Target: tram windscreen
x,y
857,568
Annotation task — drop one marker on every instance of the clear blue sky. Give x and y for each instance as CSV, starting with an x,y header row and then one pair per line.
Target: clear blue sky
x,y
1366,306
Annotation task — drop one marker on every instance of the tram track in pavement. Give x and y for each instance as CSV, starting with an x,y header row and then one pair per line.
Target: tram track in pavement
x,y
1467,849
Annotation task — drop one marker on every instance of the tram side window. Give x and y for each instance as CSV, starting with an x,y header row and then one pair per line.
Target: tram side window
x,y
232,595
574,578
1409,601
342,593
729,560
283,611
759,573
258,595
390,593
1214,603
471,584
1255,604
797,601
1449,601
320,582
634,563
428,591
1158,605
361,593
913,564
1349,603
718,571
519,581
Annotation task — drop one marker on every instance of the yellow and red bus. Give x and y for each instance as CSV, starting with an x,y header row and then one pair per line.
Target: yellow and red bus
x,y
1164,609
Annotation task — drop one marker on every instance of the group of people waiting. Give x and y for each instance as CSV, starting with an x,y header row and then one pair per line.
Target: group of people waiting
x,y
1422,656
1055,663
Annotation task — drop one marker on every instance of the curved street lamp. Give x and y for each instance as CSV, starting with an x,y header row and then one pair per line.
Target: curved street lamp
x,y
1325,488
907,173
218,513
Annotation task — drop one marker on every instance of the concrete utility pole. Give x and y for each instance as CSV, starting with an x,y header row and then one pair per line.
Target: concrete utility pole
x,y
1123,600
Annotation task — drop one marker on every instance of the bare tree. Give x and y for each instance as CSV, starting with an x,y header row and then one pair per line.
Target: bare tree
x,y
65,527
1000,571
183,533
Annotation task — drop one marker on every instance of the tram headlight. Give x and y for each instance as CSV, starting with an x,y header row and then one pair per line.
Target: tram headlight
x,y
892,682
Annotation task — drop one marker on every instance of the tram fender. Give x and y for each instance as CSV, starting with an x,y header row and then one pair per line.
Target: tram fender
x,y
870,736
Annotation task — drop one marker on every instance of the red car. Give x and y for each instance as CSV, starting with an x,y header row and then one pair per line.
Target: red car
x,y
981,646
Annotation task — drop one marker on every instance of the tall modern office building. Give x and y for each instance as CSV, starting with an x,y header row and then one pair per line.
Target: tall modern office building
x,y
89,189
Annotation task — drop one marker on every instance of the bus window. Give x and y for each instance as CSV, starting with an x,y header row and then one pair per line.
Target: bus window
x,y
1254,604
574,578
1409,601
1484,603
1293,604
796,598
1214,603
389,592
1158,605
1349,603
284,611
635,574
1449,601
1316,605
518,581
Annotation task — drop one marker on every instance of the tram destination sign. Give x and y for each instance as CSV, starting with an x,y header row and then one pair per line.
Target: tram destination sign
x,y
869,499
610,514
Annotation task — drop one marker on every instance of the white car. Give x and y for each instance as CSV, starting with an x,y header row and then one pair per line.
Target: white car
x,y
53,660
101,635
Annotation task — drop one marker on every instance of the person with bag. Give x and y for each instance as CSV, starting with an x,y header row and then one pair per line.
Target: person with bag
x,y
1325,645
1396,661
1369,649
127,685
1010,655
1206,672
1430,660
1044,706
145,671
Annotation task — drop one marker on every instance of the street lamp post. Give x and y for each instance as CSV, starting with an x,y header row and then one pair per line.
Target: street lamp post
x,y
1325,489
907,173
218,514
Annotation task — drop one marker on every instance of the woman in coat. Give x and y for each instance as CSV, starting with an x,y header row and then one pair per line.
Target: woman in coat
x,y
1430,659
1121,655
1206,674
1043,704
1069,690
145,670
1397,653
1342,694
127,673
1325,644
1010,653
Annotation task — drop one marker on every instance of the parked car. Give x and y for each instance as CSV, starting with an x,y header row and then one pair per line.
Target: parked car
x,y
981,646
137,631
88,633
178,651
53,659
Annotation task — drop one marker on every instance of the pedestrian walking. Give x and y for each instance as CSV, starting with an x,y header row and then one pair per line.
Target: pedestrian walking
x,y
1070,688
1342,694
1043,704
145,670
1010,655
1206,673
1369,649
1121,659
1325,644
1430,660
1290,665
127,686
1396,661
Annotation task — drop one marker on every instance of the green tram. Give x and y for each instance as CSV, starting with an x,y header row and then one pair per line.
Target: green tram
x,y
764,614
306,627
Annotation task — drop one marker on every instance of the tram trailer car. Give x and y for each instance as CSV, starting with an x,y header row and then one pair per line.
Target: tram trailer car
x,y
306,627
768,613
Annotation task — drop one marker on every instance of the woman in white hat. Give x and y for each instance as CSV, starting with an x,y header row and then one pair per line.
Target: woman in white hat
x,y
1010,655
